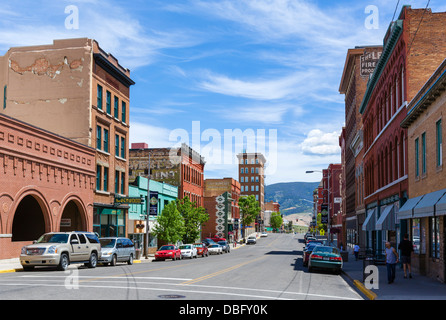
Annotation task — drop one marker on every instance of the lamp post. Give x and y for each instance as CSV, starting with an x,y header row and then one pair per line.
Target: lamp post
x,y
328,207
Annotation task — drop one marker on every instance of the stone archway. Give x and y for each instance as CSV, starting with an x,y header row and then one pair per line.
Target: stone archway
x,y
73,217
29,220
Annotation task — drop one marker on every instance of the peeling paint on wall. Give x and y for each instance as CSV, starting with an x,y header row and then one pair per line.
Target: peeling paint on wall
x,y
43,67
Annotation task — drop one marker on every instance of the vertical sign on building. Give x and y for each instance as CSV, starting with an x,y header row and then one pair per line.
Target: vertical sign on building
x,y
324,214
153,209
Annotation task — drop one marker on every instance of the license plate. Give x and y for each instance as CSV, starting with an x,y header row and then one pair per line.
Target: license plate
x,y
325,258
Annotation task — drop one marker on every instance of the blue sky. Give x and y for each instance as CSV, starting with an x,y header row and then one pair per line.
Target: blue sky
x,y
267,67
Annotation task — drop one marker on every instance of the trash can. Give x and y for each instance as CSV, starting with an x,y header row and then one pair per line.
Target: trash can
x,y
137,254
344,255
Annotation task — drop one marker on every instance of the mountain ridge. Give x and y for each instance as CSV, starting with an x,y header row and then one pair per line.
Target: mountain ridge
x,y
293,197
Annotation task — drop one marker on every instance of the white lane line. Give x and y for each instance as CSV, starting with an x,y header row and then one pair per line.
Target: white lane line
x,y
110,277
322,296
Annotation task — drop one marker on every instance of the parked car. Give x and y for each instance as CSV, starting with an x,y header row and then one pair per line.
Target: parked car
x,y
251,240
202,250
215,249
264,234
307,251
217,239
117,249
208,242
60,249
168,251
188,250
225,246
325,257
308,239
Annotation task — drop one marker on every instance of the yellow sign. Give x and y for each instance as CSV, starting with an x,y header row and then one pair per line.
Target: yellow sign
x,y
322,232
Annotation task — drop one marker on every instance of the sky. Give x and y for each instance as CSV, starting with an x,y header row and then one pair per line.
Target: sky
x,y
224,76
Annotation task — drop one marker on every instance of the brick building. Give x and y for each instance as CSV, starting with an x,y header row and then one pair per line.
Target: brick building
x,y
181,167
75,89
47,184
252,181
332,183
414,46
425,212
221,203
360,62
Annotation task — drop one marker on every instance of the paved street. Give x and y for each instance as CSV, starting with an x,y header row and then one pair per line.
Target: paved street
x,y
271,269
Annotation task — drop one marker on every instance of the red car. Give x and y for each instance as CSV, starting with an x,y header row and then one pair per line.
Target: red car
x,y
308,250
216,239
202,250
168,251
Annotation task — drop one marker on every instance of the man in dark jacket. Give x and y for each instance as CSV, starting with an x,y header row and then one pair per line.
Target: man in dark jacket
x,y
406,248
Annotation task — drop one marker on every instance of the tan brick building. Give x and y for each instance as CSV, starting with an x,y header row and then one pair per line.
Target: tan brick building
x,y
252,181
426,208
75,89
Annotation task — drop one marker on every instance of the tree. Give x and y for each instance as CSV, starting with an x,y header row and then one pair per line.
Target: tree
x,y
170,224
193,217
276,220
249,209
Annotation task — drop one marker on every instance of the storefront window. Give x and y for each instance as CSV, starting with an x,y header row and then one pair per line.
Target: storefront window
x,y
434,248
109,222
416,235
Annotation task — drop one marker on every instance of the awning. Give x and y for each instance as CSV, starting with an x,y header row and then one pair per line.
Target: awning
x,y
406,211
426,206
440,207
387,219
369,223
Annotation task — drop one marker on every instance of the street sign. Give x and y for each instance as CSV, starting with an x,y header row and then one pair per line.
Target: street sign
x,y
128,200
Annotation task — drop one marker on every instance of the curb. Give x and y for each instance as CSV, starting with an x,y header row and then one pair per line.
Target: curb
x,y
369,293
358,284
11,270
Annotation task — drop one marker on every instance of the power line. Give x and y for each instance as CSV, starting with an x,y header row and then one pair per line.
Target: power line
x,y
395,10
421,20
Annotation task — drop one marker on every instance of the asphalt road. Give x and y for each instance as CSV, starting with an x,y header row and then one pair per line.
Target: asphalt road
x,y
272,269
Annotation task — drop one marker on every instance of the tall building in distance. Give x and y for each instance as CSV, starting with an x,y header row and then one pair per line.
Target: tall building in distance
x,y
252,180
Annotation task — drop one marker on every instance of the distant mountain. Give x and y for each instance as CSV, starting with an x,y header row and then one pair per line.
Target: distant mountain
x,y
290,194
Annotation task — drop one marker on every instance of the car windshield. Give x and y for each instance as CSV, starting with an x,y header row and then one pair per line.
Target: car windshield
x,y
311,246
222,242
53,238
185,247
167,248
198,245
213,246
326,250
107,243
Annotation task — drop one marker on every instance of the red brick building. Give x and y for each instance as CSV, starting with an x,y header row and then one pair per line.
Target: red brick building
x,y
181,167
360,62
47,184
221,203
414,46
332,177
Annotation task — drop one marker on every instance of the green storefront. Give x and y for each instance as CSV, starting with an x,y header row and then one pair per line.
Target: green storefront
x,y
109,222
137,213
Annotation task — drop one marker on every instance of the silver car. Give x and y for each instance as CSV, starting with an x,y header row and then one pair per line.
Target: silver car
x,y
116,249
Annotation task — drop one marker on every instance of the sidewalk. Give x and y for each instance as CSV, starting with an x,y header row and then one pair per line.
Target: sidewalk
x,y
418,288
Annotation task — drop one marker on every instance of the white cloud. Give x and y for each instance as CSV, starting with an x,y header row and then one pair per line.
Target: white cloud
x,y
155,137
321,143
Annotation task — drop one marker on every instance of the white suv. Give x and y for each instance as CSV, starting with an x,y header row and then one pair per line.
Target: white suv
x,y
60,249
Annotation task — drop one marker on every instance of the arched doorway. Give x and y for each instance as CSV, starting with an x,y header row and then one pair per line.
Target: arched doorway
x,y
72,219
29,221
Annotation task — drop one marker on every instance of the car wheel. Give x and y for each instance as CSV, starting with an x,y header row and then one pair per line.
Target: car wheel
x,y
92,263
130,262
64,262
113,260
28,268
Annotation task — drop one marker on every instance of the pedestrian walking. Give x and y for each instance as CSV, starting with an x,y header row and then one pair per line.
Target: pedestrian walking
x,y
406,249
356,251
391,261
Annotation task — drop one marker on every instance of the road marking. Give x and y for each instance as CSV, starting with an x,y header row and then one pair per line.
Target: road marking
x,y
208,276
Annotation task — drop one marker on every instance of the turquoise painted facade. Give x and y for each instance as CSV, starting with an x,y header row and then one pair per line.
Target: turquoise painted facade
x,y
137,212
